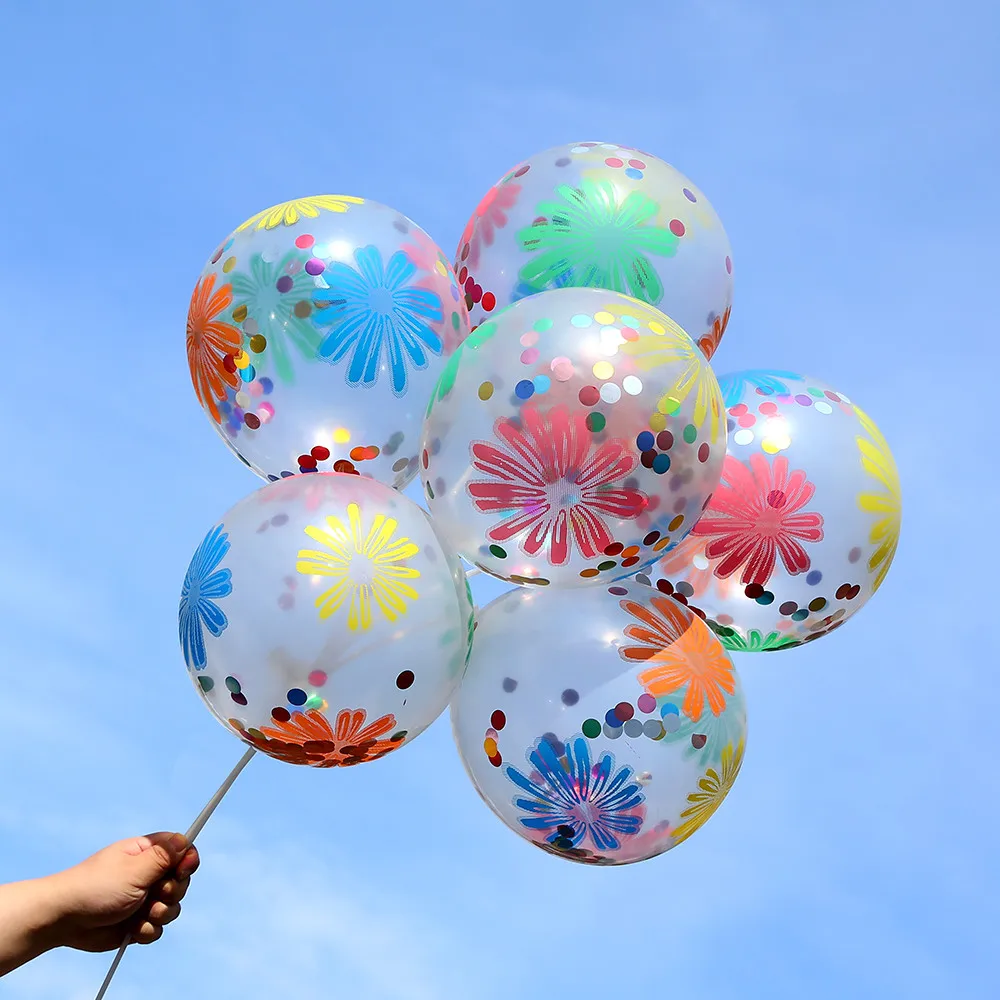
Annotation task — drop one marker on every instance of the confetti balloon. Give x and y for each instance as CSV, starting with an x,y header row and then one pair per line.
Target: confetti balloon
x,y
805,524
316,333
597,215
571,439
323,622
603,725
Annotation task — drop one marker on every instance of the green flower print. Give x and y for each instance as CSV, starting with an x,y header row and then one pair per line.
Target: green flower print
x,y
278,302
604,243
446,381
754,641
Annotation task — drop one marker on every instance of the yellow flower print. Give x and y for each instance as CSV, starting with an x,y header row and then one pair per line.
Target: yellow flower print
x,y
715,786
668,344
289,212
364,567
886,505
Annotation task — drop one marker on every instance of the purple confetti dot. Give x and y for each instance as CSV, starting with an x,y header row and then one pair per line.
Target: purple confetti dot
x,y
803,400
284,284
689,195
314,266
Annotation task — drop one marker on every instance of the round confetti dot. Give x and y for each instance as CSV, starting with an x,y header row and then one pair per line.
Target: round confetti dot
x,y
614,549
657,421
524,389
612,732
318,678
687,194
632,385
703,452
589,395
596,422
645,441
814,577
280,714
543,324
801,615
824,407
698,740
206,683
488,302
542,383
854,555
240,314
229,264
496,760
267,385
651,538
588,574
485,390
530,356
610,393
304,241
671,723
509,685
653,728
658,328
490,746
624,711
766,598
498,551
320,453
400,464
646,703
611,718
603,370
529,339
404,680
498,720
240,699
603,318
297,696
647,458
603,567
581,322
591,729
634,173
788,607
677,227
570,697
743,436
562,369
661,464
729,265
233,685
690,433
341,435
315,266
306,462
817,604
618,591
284,284
668,405
669,709
633,728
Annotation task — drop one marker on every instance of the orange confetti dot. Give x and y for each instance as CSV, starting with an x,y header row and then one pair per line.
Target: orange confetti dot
x,y
632,550
490,746
676,522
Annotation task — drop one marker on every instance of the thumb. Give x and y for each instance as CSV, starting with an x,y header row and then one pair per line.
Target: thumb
x,y
161,854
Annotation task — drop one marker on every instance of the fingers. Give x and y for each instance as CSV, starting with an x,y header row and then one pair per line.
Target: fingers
x,y
172,890
150,928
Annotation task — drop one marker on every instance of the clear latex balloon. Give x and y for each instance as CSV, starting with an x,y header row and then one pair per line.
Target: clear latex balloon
x,y
805,524
571,439
323,622
604,725
593,214
316,333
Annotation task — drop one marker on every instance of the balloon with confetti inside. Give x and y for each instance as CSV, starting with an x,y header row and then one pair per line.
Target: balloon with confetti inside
x,y
804,526
603,725
571,439
323,622
599,215
316,333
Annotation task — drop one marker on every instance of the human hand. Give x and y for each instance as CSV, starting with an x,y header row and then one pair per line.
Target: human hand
x,y
134,886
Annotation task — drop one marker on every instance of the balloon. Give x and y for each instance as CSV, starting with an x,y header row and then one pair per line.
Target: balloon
x,y
571,439
603,725
316,333
805,524
593,214
323,622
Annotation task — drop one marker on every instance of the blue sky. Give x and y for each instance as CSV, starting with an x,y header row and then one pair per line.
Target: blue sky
x,y
852,153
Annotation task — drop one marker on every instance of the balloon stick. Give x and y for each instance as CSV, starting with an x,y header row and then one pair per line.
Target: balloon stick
x,y
196,827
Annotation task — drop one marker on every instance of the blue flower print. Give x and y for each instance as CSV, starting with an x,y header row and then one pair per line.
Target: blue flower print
x,y
373,310
772,381
204,584
577,800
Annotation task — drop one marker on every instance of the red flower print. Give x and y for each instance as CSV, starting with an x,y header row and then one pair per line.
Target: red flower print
x,y
756,515
554,483
308,738
709,343
209,342
489,216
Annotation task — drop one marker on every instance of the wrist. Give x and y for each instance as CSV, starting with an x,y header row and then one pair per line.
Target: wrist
x,y
33,921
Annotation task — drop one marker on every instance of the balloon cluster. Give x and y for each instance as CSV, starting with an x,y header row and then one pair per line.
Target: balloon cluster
x,y
552,388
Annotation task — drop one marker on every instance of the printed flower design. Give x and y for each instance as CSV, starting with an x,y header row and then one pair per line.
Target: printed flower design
x,y
709,342
204,584
695,663
557,483
754,641
576,801
489,216
289,212
209,342
656,629
717,731
756,515
675,347
446,382
308,738
604,242
375,309
886,505
735,385
714,787
365,567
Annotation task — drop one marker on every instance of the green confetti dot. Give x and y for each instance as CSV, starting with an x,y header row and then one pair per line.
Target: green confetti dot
x,y
818,393
233,684
690,433
206,684
596,422
497,551
591,729
430,491
607,564
541,325
314,702
454,321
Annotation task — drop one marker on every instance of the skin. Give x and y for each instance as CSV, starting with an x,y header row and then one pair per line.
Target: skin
x,y
134,886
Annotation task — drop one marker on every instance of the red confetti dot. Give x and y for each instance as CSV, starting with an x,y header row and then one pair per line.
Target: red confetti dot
x,y
320,453
425,458
496,760
304,242
677,227
703,452
469,285
638,164
747,420
589,395
664,440
371,452
229,363
498,720
251,420
280,714
624,711
739,409
342,465
358,454
463,275
404,680
318,678
631,561
647,458
476,293
664,586
307,462
489,302
629,334
613,549
465,252
769,408
613,161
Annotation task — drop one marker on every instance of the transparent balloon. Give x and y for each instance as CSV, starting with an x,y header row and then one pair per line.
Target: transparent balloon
x,y
571,439
803,528
316,333
593,214
323,622
603,725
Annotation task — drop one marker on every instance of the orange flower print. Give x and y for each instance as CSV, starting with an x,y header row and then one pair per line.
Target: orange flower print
x,y
209,342
709,342
308,738
697,662
656,629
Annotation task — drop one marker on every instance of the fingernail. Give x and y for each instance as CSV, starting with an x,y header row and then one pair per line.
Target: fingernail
x,y
189,864
178,842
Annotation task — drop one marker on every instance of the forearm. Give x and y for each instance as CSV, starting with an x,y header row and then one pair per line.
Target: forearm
x,y
29,921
